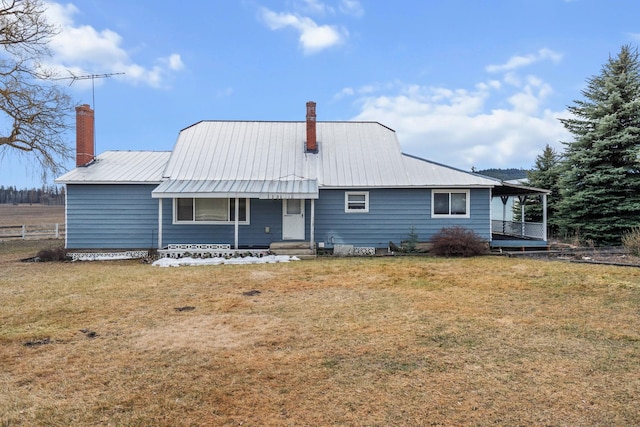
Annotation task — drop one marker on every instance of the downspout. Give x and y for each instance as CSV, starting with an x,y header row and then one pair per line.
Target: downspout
x,y
235,223
160,223
312,232
66,217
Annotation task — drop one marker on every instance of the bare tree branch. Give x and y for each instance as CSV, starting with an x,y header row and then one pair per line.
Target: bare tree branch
x,y
34,113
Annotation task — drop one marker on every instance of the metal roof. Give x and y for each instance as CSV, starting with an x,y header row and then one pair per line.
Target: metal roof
x,y
431,174
122,167
268,160
277,189
254,154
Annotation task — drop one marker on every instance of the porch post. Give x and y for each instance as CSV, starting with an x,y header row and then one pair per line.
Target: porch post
x,y
544,216
235,231
160,223
312,231
504,200
523,202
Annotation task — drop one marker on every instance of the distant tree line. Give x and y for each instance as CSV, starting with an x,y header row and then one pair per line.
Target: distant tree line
x,y
51,195
503,174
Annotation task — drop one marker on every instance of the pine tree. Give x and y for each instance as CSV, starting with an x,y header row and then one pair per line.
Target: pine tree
x,y
600,183
545,174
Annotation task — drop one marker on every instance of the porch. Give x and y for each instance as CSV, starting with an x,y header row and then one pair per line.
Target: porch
x,y
513,234
507,232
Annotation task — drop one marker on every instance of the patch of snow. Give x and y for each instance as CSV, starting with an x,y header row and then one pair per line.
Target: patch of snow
x,y
188,261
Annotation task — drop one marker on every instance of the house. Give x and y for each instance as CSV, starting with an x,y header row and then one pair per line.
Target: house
x,y
253,184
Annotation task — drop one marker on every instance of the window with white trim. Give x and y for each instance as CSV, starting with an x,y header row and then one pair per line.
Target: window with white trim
x,y
356,201
450,203
210,211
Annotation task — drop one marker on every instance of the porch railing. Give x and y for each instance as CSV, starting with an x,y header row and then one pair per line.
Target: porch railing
x,y
531,230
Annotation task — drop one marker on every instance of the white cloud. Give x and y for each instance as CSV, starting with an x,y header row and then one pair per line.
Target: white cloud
x,y
498,123
174,62
320,8
313,37
352,7
517,61
459,127
82,49
315,7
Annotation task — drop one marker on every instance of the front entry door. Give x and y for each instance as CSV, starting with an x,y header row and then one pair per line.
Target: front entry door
x,y
292,219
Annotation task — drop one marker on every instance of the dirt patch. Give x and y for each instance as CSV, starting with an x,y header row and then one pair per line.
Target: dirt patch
x,y
614,259
211,332
606,256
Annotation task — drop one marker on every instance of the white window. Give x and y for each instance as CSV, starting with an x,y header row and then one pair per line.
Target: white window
x,y
356,201
450,203
210,211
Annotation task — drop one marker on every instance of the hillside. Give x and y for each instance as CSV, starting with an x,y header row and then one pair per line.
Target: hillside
x,y
504,174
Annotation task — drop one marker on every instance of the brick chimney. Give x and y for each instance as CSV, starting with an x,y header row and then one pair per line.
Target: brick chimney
x,y
312,143
84,135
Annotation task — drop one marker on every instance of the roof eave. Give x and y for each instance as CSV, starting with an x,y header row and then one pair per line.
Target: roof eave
x,y
75,182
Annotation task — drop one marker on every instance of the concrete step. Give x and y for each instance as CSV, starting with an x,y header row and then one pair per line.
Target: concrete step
x,y
297,249
274,246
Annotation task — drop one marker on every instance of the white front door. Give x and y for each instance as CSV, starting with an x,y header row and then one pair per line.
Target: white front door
x,y
292,219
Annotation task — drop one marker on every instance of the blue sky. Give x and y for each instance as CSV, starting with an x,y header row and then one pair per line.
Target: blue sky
x,y
462,82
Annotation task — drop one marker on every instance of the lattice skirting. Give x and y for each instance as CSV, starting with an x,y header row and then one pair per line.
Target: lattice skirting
x,y
214,250
105,256
364,251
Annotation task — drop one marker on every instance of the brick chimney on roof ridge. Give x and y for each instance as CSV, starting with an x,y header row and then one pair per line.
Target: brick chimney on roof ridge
x,y
312,143
84,135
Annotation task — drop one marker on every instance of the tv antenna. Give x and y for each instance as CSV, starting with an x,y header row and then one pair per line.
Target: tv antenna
x,y
73,78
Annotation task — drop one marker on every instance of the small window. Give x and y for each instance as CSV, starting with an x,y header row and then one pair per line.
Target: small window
x,y
184,210
449,203
214,211
356,201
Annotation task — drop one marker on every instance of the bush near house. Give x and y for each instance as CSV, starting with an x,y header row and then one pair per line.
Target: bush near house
x,y
457,241
631,241
52,254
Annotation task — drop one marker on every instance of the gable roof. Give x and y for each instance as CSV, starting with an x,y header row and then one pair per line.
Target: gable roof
x,y
268,159
121,167
260,159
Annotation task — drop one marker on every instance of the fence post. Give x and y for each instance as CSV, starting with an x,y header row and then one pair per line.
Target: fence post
x,y
57,231
24,231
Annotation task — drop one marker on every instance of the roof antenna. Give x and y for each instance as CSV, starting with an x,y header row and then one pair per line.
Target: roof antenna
x,y
73,78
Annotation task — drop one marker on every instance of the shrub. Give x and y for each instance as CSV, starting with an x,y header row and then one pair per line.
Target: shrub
x,y
631,241
457,241
52,254
412,240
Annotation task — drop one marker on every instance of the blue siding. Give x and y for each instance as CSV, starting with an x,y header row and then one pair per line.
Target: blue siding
x,y
126,217
263,213
392,214
111,217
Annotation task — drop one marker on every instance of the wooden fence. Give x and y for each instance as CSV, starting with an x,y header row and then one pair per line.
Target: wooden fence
x,y
32,232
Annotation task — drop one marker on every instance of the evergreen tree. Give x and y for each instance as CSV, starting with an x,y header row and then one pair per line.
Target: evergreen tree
x,y
600,183
545,174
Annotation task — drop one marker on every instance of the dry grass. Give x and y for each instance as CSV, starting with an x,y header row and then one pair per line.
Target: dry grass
x,y
384,341
31,214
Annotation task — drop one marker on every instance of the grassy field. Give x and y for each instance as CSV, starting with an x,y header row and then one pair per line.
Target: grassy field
x,y
363,341
31,214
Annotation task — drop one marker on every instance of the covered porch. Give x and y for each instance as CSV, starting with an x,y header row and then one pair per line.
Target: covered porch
x,y
509,232
234,216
